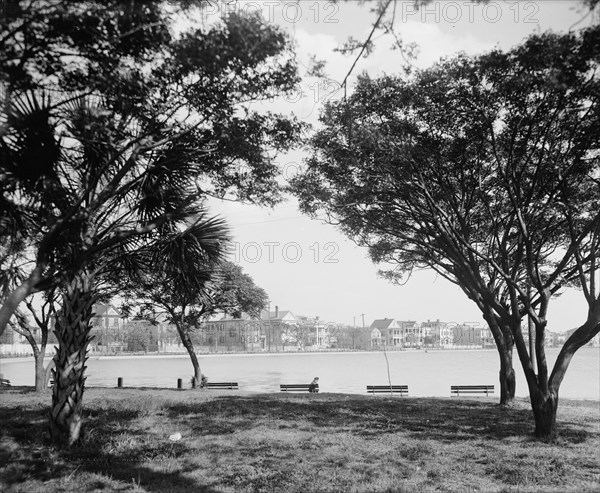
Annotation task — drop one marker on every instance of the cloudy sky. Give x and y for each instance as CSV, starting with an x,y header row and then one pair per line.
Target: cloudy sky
x,y
307,266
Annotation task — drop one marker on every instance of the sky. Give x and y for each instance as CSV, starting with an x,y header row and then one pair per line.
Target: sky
x,y
308,266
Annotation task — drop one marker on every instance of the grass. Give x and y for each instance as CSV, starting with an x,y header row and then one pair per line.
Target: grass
x,y
233,441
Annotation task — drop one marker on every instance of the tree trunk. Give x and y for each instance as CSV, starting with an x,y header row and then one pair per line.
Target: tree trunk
x,y
73,325
189,346
508,381
544,412
38,358
12,301
40,372
48,372
501,331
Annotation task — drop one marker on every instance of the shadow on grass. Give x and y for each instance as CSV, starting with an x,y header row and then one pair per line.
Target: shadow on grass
x,y
116,448
446,420
26,453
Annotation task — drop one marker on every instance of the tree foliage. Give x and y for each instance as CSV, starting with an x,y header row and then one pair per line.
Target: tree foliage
x,y
235,293
114,123
476,168
118,120
202,285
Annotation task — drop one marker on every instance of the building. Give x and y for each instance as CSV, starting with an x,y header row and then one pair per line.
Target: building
x,y
431,331
231,334
13,343
412,332
386,332
272,331
107,329
283,331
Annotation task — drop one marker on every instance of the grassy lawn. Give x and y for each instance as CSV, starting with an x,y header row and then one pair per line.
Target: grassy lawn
x,y
233,441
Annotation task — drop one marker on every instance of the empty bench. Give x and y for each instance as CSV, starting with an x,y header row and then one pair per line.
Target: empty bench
x,y
294,387
471,389
391,389
4,382
222,385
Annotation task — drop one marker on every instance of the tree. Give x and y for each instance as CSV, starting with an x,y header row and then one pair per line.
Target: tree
x,y
13,258
114,129
43,318
179,289
202,286
138,337
236,293
159,94
470,169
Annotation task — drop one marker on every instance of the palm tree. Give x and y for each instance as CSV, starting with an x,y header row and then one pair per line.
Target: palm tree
x,y
107,161
89,196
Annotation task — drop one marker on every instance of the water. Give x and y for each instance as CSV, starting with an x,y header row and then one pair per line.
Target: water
x,y
426,373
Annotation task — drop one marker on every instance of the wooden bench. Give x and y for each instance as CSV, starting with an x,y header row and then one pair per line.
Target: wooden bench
x,y
4,382
392,389
471,389
222,386
294,387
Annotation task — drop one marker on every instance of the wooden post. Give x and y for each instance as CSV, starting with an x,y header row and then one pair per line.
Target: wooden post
x,y
120,382
179,383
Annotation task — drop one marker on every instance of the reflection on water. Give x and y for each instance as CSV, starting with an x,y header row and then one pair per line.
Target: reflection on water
x,y
426,373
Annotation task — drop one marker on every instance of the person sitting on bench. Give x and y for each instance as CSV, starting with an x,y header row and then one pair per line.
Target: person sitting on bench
x,y
314,385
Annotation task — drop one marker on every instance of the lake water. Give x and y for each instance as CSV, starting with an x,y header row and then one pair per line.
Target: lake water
x,y
426,373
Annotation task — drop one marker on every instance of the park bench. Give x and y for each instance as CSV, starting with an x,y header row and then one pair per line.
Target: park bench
x,y
392,389
294,387
471,389
4,382
222,386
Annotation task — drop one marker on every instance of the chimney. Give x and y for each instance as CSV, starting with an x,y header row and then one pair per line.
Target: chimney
x,y
276,311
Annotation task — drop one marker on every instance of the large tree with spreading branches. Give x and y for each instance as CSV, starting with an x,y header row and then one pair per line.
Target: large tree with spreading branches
x,y
486,170
118,119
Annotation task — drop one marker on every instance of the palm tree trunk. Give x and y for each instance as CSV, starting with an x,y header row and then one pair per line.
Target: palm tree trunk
x,y
72,330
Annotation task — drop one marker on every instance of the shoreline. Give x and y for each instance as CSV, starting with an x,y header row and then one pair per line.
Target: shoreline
x,y
97,356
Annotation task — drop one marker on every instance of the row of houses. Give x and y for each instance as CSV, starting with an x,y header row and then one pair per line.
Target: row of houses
x,y
389,332
394,333
272,331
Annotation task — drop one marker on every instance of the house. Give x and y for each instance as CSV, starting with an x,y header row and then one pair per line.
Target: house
x,y
107,329
412,332
272,331
431,331
229,334
386,332
283,330
465,336
13,343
